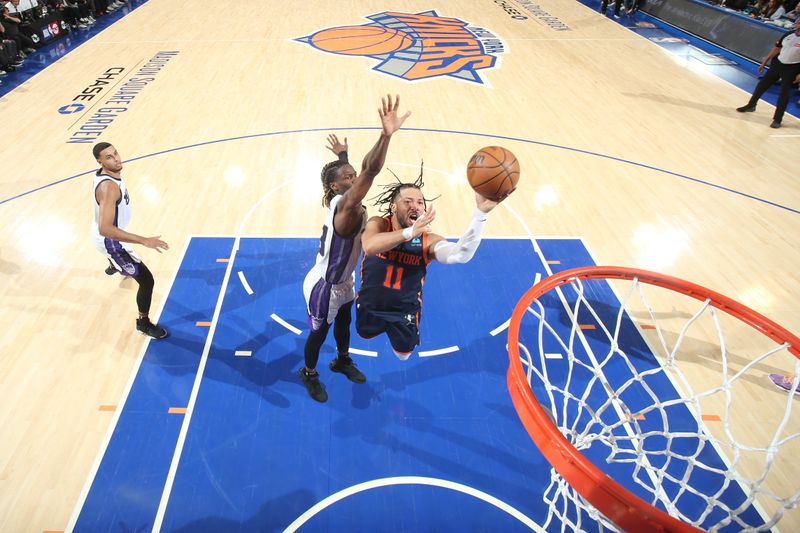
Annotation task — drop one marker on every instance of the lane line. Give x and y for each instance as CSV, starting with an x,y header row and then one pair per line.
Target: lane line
x,y
173,467
244,283
500,328
121,404
441,351
368,353
285,324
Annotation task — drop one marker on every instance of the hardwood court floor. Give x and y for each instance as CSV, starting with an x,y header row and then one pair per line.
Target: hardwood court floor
x,y
643,158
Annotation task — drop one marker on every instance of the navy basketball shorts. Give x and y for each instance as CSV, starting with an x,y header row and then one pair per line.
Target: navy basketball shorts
x,y
402,329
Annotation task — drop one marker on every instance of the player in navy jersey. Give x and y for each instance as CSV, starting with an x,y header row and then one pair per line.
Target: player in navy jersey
x,y
397,249
329,285
112,213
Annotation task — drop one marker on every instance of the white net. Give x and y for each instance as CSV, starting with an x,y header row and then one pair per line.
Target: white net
x,y
676,406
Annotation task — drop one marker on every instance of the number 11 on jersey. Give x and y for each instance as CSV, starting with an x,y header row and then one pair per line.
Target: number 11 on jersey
x,y
388,281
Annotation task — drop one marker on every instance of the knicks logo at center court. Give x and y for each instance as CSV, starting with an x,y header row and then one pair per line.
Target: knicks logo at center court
x,y
415,46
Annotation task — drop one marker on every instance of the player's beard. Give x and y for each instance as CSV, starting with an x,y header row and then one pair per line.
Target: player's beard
x,y
407,221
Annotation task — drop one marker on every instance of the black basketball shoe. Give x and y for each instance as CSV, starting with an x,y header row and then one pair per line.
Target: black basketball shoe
x,y
315,389
146,327
345,365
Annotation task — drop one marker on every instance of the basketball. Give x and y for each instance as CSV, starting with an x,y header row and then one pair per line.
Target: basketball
x,y
493,172
361,40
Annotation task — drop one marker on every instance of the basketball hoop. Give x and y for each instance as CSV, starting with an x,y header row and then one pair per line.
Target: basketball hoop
x,y
580,490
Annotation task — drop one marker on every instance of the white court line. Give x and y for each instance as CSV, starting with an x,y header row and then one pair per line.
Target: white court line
x,y
442,351
368,353
411,480
285,324
121,404
536,249
176,457
242,353
505,324
500,328
244,283
676,385
553,356
786,135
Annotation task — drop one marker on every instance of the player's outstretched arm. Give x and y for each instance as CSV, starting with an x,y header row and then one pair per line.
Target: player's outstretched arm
x,y
462,251
348,212
373,161
107,197
376,239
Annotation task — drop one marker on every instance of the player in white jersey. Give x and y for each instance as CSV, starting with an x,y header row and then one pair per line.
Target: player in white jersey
x,y
329,286
112,213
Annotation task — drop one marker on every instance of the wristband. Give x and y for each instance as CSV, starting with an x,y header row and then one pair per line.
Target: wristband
x,y
407,232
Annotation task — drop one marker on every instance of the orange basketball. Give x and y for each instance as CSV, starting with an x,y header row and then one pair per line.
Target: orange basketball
x,y
493,172
361,40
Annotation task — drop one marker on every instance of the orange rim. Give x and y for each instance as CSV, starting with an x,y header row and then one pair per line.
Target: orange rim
x,y
626,510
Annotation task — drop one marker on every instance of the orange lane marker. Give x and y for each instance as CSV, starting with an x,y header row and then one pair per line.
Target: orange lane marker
x,y
648,326
203,324
110,408
223,260
51,531
637,416
177,410
554,262
711,418
586,326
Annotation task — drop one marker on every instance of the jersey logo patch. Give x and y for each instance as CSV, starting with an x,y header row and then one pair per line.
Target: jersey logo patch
x,y
316,323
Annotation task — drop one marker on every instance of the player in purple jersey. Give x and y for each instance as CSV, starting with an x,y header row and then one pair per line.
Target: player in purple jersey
x,y
397,249
329,285
112,213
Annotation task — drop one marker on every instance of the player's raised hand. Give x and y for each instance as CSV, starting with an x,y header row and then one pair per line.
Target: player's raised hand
x,y
335,146
155,243
486,204
390,121
423,223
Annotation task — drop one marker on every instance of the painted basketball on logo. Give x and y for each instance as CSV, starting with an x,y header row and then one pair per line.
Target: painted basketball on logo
x,y
415,46
361,40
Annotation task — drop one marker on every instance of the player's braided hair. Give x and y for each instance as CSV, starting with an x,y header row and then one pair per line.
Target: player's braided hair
x,y
327,175
391,191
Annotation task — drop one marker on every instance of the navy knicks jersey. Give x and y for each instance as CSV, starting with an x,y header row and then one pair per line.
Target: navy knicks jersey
x,y
392,281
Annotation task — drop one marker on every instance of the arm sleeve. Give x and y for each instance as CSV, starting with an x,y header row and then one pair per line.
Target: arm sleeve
x,y
449,253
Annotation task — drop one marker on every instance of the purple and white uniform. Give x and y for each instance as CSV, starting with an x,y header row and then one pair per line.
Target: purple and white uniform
x,y
121,254
330,283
